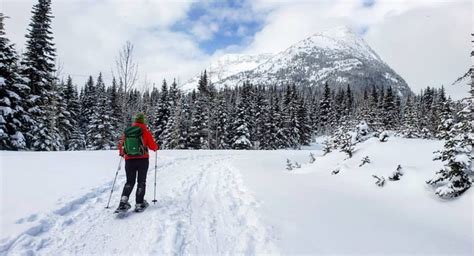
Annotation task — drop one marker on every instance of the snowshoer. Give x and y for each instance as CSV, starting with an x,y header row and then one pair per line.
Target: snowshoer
x,y
133,146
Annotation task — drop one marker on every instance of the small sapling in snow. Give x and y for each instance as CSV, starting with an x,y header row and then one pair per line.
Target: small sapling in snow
x,y
383,137
289,165
365,160
312,158
396,174
380,180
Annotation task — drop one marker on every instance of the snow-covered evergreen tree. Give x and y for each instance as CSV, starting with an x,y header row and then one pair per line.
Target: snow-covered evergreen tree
x,y
38,69
325,109
14,120
100,129
389,113
271,117
304,128
241,139
454,178
345,143
162,113
410,127
63,116
75,141
222,124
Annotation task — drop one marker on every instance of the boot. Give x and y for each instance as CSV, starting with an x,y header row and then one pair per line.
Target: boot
x,y
124,205
141,207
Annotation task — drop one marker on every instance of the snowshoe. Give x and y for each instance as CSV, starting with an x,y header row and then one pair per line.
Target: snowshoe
x,y
141,207
123,207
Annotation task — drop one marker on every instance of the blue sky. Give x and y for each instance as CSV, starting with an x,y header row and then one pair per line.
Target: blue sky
x,y
368,3
220,24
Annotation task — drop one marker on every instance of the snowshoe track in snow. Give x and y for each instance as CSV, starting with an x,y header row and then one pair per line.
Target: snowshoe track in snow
x,y
203,208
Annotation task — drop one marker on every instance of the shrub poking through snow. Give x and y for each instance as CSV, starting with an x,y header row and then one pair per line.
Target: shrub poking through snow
x,y
383,137
335,171
289,165
327,147
380,180
346,144
453,179
396,174
365,160
362,132
297,165
312,158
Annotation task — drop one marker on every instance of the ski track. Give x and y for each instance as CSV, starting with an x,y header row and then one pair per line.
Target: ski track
x,y
203,208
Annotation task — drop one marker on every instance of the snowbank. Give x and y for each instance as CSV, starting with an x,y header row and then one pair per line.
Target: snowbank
x,y
236,202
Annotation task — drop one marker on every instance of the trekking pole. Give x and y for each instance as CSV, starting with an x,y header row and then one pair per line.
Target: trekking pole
x,y
113,184
156,167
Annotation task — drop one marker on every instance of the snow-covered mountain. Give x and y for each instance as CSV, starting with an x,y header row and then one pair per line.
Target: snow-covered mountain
x,y
228,65
337,56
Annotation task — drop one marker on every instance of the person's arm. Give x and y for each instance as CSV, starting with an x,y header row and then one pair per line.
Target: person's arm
x,y
120,146
150,141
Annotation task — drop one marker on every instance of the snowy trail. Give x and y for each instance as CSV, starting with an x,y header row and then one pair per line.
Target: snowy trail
x,y
202,208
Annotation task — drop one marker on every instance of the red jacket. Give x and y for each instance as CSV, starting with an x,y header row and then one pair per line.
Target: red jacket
x,y
148,142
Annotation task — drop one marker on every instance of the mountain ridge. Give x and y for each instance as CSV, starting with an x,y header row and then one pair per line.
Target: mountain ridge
x,y
337,56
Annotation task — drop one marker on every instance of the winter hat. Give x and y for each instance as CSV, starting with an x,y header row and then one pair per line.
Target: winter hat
x,y
140,118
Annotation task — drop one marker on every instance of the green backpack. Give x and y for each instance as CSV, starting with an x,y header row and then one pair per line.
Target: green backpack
x,y
133,144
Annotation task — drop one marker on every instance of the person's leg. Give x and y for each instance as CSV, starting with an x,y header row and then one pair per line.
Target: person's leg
x,y
131,172
141,180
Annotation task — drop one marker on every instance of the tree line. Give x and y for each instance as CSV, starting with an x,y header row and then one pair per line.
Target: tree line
x,y
42,112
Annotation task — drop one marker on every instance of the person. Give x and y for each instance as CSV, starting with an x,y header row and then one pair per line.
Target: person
x,y
136,164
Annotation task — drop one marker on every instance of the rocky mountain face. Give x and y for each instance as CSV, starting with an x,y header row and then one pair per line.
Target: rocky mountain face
x,y
337,56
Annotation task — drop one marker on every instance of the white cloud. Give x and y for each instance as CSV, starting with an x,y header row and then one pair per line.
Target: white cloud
x,y
425,41
89,34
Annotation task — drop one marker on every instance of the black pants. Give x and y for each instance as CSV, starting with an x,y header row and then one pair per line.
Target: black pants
x,y
132,168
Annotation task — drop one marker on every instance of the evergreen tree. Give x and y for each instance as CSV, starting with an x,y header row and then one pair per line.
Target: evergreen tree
x,y
271,116
75,141
304,129
410,127
453,179
39,68
162,113
100,129
389,116
325,109
349,104
115,96
63,116
222,124
14,120
241,138
88,102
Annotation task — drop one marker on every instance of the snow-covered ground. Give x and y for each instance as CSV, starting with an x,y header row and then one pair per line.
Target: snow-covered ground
x,y
235,202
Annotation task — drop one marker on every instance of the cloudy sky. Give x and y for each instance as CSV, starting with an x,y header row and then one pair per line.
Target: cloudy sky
x,y
426,41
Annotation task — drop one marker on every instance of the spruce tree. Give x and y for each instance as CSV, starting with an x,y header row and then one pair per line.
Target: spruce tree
x,y
76,139
241,138
63,116
14,120
325,109
270,139
162,113
222,124
38,68
388,116
100,129
304,128
453,179
410,127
